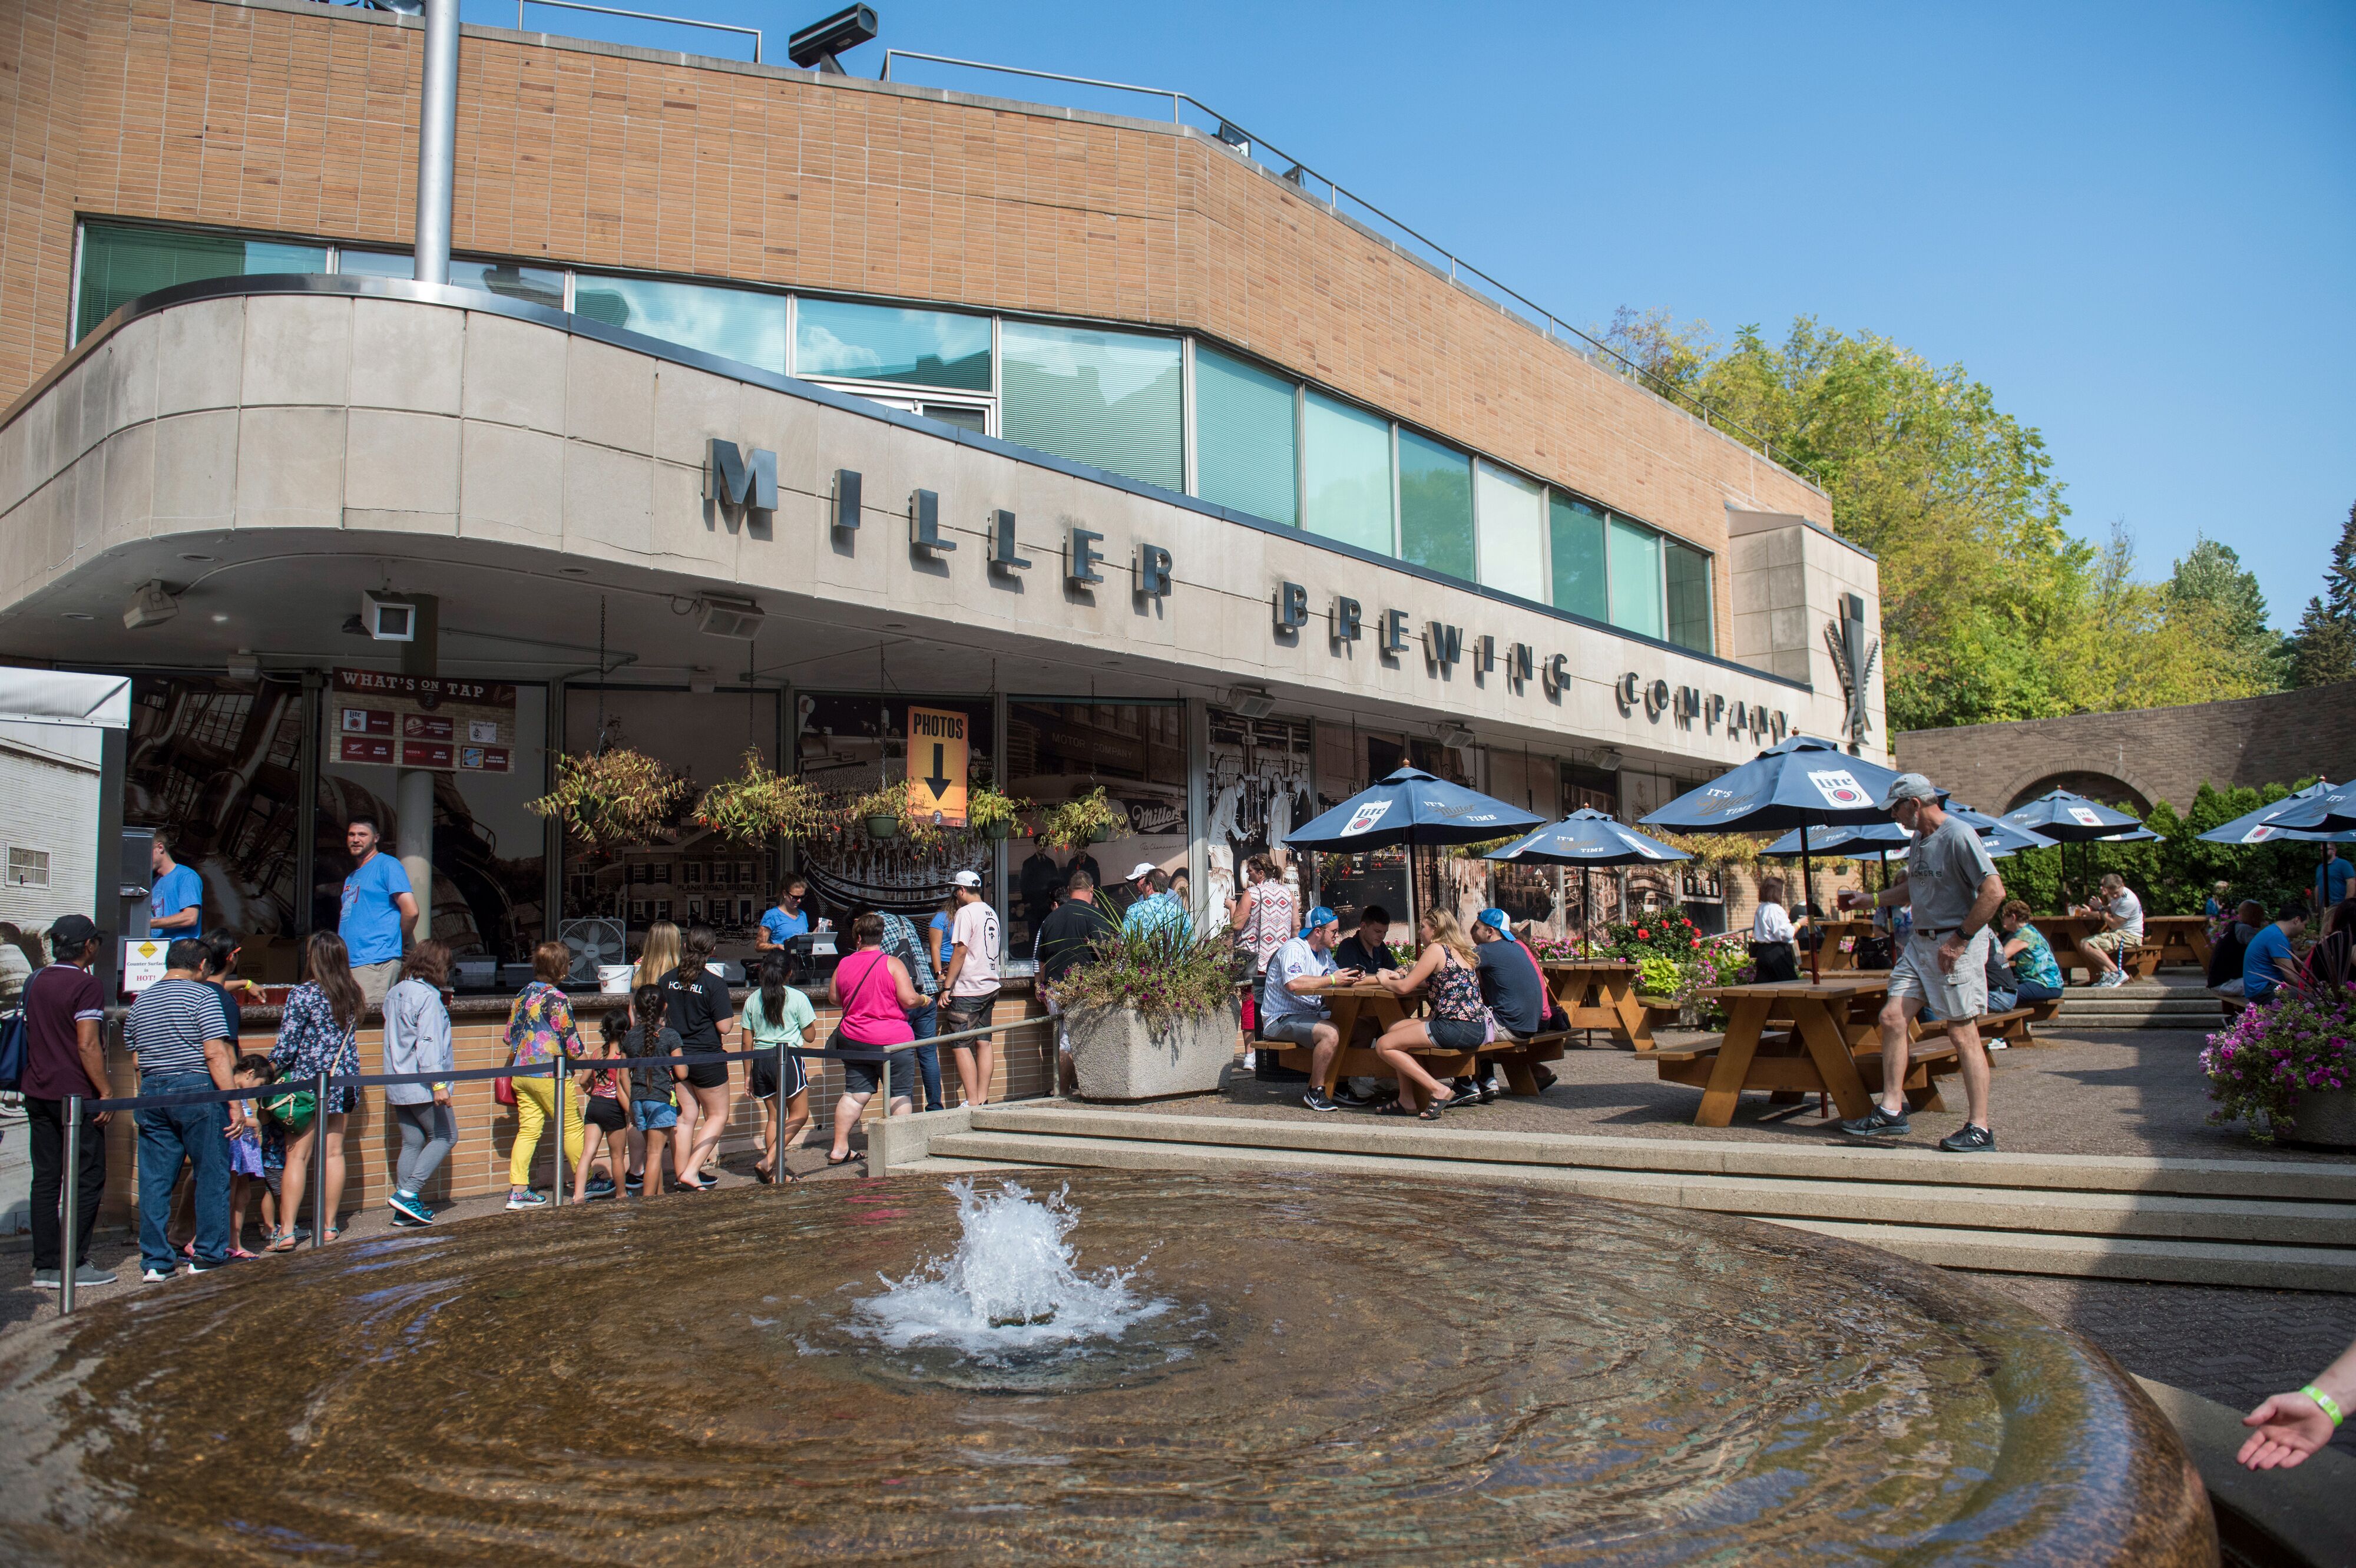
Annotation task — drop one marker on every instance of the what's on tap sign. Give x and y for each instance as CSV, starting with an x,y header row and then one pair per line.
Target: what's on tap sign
x,y
425,721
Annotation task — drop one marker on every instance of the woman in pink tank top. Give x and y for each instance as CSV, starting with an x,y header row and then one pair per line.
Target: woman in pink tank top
x,y
876,996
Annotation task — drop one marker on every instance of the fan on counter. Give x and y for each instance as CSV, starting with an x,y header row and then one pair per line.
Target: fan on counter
x,y
594,943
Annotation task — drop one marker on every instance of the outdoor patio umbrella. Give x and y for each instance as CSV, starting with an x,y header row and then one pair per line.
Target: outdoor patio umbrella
x,y
1802,782
2068,819
2262,827
1411,808
2001,835
1586,839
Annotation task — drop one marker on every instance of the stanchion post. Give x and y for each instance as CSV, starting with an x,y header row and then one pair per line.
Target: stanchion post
x,y
887,1109
73,1205
556,1097
320,1219
778,1120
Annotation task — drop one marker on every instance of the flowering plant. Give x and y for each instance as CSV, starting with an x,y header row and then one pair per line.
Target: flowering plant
x,y
1665,931
2273,1054
1162,970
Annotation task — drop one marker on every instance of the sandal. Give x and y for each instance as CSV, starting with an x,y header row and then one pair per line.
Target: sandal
x,y
1392,1108
242,1255
846,1159
283,1241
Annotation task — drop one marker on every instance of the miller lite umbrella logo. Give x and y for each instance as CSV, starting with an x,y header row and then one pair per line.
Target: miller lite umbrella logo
x,y
2258,834
1365,816
2086,815
1840,789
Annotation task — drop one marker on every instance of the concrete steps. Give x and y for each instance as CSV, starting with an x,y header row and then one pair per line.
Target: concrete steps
x,y
2280,1224
2139,1007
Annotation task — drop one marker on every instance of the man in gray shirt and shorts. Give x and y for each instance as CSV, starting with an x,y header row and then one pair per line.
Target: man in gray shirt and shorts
x,y
1956,892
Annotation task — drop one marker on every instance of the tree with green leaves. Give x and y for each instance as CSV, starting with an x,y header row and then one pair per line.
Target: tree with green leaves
x,y
2323,649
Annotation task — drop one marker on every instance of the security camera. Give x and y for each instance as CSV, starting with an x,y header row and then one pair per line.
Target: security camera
x,y
818,44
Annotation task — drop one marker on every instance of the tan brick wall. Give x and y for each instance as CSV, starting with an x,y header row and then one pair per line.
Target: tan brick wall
x,y
299,119
2161,754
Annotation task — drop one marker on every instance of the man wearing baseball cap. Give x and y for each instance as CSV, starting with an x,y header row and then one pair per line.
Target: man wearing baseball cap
x,y
969,985
1514,987
1291,1012
1954,891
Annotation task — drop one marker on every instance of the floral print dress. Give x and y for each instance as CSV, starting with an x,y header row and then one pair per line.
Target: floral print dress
x,y
309,1044
539,1022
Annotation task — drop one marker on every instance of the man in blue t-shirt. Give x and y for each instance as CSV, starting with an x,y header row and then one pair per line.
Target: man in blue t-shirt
x,y
2331,878
2270,960
176,903
788,918
378,908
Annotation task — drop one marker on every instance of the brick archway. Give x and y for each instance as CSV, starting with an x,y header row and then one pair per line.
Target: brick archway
x,y
2106,785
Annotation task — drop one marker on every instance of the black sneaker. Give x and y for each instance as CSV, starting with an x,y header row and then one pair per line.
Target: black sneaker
x,y
635,1183
1972,1139
1878,1123
1318,1100
1546,1079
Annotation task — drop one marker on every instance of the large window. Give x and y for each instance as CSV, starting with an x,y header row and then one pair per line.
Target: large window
x,y
733,323
1112,400
1435,505
1687,571
1512,513
120,265
1244,438
1575,532
1635,578
533,285
1348,459
880,343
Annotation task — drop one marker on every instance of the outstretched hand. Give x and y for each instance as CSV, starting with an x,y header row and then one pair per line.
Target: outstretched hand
x,y
2289,1428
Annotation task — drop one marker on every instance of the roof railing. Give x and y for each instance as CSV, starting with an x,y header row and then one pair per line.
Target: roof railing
x,y
1346,203
753,33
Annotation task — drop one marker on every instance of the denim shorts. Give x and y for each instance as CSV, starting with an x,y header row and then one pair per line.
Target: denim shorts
x,y
653,1115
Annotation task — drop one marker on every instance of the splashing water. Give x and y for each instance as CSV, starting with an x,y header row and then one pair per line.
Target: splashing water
x,y
1012,1285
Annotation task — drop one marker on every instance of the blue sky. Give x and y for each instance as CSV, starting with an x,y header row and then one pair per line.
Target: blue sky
x,y
2137,223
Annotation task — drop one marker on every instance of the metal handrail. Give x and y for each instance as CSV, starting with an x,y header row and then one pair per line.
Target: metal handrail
x,y
642,17
1459,270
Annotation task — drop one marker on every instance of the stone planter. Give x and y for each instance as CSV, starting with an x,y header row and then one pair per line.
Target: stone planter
x,y
2328,1117
1116,1055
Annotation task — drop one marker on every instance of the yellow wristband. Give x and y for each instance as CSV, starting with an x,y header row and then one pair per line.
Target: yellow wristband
x,y
2324,1403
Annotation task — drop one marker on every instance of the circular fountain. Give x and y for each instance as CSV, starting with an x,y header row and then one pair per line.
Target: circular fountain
x,y
1132,1367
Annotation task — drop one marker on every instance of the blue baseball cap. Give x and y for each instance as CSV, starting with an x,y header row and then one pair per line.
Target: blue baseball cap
x,y
1320,916
1496,918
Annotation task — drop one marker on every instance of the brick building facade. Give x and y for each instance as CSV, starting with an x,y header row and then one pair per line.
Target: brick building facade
x,y
2146,755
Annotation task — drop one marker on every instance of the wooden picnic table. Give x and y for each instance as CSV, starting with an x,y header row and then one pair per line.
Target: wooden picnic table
x,y
1835,930
1369,1002
1600,994
2181,938
1827,1018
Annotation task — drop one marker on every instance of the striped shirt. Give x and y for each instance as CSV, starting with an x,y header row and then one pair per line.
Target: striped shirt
x,y
169,1024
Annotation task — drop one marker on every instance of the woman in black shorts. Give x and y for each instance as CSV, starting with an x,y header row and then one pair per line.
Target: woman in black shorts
x,y
1447,972
696,1005
605,1113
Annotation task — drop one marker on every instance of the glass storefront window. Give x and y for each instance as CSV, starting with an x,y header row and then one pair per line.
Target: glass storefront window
x,y
533,285
1244,438
122,263
1511,520
1059,751
882,343
1112,400
1635,578
1348,456
1435,506
1575,540
733,323
1688,594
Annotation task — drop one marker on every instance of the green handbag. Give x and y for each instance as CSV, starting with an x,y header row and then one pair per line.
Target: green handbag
x,y
294,1110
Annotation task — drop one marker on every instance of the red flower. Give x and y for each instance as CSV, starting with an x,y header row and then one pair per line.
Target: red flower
x,y
1692,943
1643,935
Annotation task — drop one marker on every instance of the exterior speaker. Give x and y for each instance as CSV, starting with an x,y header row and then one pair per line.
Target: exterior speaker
x,y
739,618
1251,703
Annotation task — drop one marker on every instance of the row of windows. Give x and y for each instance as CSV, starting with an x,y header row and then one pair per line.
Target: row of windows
x,y
1262,443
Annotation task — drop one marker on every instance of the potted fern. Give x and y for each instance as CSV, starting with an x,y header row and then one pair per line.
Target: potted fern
x,y
759,805
1152,1012
881,810
613,798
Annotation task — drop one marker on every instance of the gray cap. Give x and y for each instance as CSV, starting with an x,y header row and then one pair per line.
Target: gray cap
x,y
1908,787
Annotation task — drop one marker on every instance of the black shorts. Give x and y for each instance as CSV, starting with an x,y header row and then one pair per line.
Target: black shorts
x,y
605,1113
1456,1034
764,1077
867,1078
706,1075
961,1013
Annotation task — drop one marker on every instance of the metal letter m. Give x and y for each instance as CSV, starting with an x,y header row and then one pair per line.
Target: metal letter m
x,y
734,477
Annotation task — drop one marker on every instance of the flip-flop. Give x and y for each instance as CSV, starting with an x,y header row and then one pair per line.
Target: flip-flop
x,y
846,1159
242,1255
1392,1108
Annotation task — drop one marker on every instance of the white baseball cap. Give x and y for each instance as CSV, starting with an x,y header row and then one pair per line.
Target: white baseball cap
x,y
1142,868
967,879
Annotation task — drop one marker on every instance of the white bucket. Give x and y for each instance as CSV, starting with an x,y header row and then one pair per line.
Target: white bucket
x,y
614,979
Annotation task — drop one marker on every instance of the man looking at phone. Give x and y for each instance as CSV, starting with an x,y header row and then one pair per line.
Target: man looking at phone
x,y
1291,1012
1956,892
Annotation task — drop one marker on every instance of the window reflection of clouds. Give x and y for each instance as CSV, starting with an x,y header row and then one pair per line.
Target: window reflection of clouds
x,y
1123,365
923,348
735,324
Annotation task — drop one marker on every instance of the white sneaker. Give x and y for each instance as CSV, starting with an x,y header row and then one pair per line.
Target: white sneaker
x,y
2115,977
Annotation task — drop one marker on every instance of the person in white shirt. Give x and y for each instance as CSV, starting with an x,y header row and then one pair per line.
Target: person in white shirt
x,y
970,986
1772,933
2105,951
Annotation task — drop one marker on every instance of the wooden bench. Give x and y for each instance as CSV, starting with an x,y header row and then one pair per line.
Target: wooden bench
x,y
1784,1070
1519,1057
2143,962
2012,1028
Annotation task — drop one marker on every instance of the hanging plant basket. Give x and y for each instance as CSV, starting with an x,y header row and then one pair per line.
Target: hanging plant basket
x,y
759,805
991,813
996,829
1083,819
613,799
882,827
